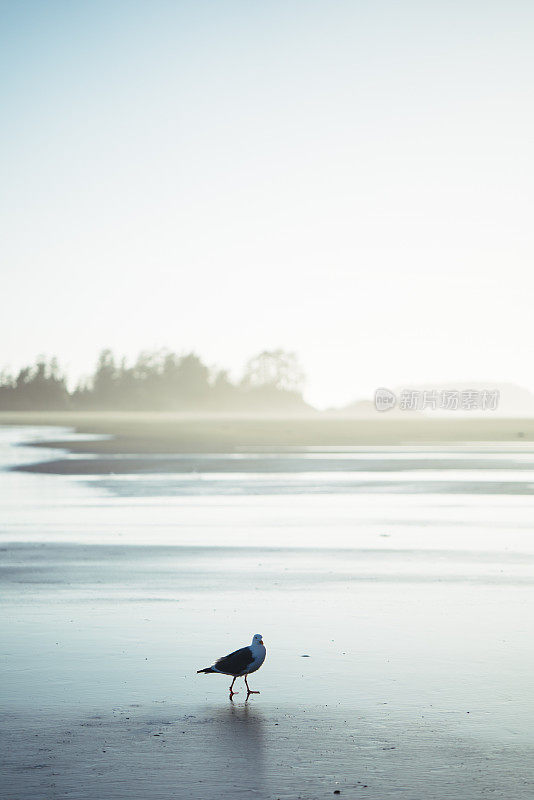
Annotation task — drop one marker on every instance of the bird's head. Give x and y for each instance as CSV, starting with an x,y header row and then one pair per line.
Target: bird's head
x,y
257,639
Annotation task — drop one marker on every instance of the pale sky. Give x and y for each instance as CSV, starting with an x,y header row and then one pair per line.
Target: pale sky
x,y
349,180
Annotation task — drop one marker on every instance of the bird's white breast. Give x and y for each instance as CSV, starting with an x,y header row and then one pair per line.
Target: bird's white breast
x,y
259,654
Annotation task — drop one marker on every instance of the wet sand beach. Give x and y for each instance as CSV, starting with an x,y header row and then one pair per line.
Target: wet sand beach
x,y
142,433
397,615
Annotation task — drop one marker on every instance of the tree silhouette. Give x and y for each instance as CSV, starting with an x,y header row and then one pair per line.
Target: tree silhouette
x,y
276,369
39,386
159,380
106,379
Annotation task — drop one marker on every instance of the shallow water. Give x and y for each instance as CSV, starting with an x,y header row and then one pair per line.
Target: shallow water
x,y
397,617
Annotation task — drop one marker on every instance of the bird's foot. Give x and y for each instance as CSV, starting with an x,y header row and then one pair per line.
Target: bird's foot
x,y
232,694
252,691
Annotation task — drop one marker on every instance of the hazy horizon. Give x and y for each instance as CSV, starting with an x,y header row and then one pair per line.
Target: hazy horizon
x,y
349,181
155,381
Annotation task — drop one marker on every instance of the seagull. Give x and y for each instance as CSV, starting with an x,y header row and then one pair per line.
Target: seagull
x,y
241,662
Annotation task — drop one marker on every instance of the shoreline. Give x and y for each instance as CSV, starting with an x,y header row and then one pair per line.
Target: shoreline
x,y
307,464
175,433
102,443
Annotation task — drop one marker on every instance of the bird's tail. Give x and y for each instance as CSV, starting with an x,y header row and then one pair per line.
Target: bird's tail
x,y
207,669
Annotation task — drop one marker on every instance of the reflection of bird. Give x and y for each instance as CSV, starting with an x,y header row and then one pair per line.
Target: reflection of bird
x,y
241,662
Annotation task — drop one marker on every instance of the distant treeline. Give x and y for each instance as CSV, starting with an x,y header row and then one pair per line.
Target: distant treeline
x,y
159,380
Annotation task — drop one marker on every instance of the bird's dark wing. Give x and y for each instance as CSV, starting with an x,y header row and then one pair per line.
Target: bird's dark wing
x,y
236,662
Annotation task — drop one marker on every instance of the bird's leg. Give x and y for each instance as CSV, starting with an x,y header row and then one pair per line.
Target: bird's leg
x,y
232,688
249,690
